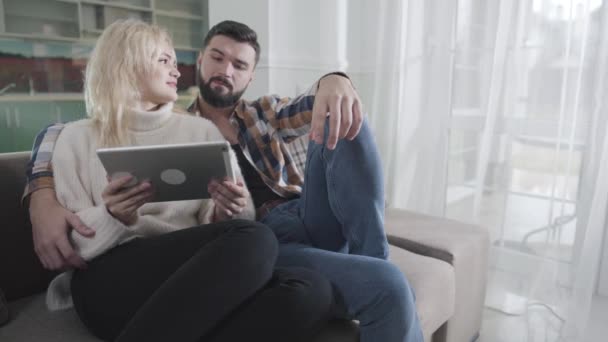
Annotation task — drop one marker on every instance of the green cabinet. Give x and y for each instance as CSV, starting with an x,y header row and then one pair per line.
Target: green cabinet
x,y
20,121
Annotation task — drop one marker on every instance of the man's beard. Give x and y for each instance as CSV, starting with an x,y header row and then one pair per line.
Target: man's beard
x,y
217,100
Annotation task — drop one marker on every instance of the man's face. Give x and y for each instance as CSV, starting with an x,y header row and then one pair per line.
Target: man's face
x,y
226,69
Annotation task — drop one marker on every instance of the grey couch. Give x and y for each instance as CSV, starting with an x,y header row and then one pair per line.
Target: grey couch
x,y
445,262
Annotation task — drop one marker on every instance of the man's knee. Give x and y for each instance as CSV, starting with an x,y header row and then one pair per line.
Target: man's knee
x,y
394,288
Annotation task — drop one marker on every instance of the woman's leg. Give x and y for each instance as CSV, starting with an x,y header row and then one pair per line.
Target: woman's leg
x,y
177,286
293,307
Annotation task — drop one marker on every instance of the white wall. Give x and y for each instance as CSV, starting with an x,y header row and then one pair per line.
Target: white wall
x,y
300,41
602,287
255,14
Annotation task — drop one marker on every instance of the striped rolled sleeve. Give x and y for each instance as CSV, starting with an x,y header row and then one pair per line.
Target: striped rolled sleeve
x,y
39,171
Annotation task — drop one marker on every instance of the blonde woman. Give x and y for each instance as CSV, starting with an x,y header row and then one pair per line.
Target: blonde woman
x,y
171,271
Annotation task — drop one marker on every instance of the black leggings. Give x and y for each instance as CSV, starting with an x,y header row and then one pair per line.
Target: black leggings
x,y
215,282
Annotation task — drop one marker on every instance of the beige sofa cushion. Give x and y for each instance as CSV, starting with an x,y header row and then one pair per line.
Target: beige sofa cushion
x,y
464,246
433,284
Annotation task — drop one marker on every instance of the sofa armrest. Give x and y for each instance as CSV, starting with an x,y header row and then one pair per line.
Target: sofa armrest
x,y
464,246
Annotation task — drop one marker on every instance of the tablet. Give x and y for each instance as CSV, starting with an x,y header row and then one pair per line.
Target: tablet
x,y
177,172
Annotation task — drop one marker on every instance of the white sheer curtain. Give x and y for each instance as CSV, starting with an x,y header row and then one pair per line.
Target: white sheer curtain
x,y
494,112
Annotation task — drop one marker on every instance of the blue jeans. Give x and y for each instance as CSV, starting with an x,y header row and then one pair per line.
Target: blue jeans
x,y
337,228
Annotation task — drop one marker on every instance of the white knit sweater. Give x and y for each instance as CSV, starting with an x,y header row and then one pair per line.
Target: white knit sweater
x,y
80,180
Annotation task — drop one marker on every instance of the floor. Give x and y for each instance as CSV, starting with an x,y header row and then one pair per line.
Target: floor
x,y
527,257
511,319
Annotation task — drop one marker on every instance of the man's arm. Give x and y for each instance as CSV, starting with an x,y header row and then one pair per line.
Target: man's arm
x,y
51,222
334,96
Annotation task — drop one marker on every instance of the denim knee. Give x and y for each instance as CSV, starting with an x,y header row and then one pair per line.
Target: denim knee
x,y
393,289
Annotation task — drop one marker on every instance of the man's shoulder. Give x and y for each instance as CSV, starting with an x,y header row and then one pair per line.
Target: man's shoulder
x,y
266,103
270,98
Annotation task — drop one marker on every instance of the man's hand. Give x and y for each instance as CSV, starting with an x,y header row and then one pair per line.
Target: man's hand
x,y
122,201
230,198
337,97
51,224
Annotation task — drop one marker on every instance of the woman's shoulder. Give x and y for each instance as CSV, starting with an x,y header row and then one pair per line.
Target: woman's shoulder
x,y
77,131
194,122
196,128
81,126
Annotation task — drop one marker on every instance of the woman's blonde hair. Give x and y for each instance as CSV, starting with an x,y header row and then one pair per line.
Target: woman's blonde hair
x,y
124,52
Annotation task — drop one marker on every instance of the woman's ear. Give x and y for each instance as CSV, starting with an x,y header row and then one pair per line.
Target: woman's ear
x,y
199,60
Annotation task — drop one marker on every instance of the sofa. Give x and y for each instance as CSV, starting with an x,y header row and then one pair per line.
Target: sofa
x,y
445,262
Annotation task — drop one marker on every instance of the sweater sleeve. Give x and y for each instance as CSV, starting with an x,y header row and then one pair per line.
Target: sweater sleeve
x,y
71,162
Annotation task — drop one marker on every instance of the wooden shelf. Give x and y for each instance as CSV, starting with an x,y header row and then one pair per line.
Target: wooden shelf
x,y
42,97
178,14
42,18
25,23
117,5
40,36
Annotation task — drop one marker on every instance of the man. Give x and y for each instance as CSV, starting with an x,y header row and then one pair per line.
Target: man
x,y
328,218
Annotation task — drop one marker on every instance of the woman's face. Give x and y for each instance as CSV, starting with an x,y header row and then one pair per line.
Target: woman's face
x,y
160,85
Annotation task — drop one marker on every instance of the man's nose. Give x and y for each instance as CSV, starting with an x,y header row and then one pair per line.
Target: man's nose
x,y
228,69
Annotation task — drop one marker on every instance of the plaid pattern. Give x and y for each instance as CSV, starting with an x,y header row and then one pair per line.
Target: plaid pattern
x,y
39,171
273,134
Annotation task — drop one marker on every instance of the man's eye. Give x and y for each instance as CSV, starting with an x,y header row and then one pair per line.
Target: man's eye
x,y
217,59
163,60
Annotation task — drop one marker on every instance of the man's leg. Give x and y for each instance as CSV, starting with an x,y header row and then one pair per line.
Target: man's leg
x,y
371,290
343,197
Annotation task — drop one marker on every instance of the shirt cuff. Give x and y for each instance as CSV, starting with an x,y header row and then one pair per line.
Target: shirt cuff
x,y
339,73
44,182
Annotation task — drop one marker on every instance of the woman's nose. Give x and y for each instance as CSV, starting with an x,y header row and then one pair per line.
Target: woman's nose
x,y
175,72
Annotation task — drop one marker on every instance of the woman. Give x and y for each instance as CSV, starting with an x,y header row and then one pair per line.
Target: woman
x,y
150,277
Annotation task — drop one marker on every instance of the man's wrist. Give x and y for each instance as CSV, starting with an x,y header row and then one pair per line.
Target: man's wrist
x,y
41,198
339,73
335,73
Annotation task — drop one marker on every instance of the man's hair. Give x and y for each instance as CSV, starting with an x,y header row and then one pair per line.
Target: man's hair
x,y
237,31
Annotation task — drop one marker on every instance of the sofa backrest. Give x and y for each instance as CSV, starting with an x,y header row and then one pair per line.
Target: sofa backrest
x,y
21,273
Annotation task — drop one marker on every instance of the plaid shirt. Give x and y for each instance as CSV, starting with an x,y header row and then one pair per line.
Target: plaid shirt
x,y
273,133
